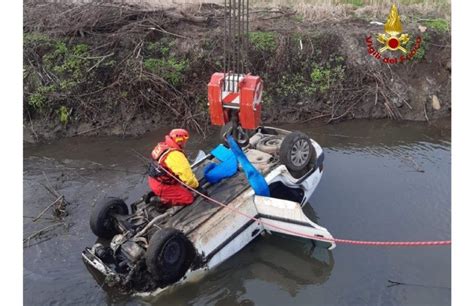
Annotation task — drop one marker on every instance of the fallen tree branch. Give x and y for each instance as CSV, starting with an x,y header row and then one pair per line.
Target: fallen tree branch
x,y
315,117
50,187
90,130
101,59
43,218
396,283
426,114
41,231
48,207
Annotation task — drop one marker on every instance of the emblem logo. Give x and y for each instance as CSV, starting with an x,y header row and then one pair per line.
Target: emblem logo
x,y
393,40
393,28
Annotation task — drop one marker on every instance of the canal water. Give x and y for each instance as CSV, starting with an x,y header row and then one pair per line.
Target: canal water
x,y
383,180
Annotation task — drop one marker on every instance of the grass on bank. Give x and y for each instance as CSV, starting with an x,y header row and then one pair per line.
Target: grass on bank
x,y
316,9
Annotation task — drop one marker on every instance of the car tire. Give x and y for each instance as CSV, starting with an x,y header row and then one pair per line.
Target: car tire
x,y
297,153
269,144
169,255
102,222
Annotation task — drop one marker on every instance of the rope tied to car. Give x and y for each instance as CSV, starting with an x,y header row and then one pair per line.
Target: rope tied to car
x,y
323,239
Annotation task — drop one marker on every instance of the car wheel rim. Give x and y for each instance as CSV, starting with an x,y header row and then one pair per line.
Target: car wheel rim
x,y
172,252
273,142
299,153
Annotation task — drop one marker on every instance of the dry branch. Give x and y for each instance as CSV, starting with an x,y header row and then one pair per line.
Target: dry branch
x,y
61,198
41,231
121,87
59,203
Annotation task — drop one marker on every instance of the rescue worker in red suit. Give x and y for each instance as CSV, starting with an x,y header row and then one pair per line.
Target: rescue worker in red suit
x,y
170,156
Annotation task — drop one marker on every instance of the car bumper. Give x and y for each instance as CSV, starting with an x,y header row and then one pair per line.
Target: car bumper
x,y
111,278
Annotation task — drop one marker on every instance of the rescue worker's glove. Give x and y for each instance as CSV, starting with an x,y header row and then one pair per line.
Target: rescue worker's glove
x,y
202,190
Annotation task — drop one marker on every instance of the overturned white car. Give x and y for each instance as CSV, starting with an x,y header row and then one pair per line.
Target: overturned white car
x,y
147,250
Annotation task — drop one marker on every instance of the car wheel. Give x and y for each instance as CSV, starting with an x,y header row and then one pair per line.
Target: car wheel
x,y
169,255
102,221
297,153
269,144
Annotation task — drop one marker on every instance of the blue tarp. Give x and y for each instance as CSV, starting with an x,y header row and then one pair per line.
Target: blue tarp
x,y
227,167
255,178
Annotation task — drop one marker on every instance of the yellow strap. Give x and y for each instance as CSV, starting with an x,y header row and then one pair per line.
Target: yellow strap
x,y
163,155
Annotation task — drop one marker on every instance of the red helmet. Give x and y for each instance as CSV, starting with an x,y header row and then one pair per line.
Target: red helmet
x,y
179,136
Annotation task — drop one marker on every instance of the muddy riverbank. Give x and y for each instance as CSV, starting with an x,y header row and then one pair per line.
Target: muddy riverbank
x,y
102,69
383,180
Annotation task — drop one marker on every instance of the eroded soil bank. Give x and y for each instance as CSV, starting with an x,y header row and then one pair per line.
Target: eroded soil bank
x,y
124,70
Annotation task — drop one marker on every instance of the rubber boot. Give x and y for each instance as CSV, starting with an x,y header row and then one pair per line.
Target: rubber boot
x,y
155,200
147,197
158,204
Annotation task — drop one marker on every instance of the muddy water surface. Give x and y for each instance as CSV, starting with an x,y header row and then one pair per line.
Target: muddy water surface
x,y
382,181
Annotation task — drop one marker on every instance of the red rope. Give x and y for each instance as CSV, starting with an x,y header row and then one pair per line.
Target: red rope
x,y
303,235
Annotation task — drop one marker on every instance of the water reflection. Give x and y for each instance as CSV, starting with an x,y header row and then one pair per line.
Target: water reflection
x,y
287,263
367,134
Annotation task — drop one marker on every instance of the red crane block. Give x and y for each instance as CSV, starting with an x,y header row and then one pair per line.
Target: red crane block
x,y
246,99
251,89
214,97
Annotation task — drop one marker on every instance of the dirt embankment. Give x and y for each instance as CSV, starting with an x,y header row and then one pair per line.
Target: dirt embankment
x,y
114,69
